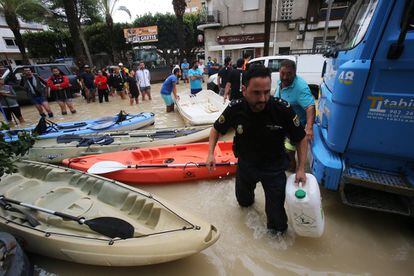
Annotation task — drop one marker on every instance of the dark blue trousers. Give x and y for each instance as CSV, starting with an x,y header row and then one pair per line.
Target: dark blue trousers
x,y
273,178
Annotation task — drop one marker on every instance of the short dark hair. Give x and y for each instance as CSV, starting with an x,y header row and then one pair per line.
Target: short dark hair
x,y
175,71
240,63
288,63
246,55
256,71
227,60
195,63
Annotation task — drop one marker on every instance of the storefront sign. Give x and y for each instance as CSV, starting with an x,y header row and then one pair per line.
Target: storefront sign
x,y
240,39
141,35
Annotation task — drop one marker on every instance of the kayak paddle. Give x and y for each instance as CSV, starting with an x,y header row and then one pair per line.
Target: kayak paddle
x,y
108,226
113,166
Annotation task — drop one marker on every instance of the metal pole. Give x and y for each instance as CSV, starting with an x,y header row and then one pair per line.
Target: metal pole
x,y
274,35
328,16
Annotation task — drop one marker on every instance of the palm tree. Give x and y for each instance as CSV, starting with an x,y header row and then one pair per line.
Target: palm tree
x,y
179,9
71,15
12,9
108,8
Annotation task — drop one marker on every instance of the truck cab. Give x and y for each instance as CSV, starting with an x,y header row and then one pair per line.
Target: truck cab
x,y
364,131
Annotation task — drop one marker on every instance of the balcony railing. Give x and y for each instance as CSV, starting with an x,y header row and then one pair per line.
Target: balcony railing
x,y
210,17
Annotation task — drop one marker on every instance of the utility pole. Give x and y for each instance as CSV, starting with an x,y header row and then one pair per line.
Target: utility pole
x,y
268,22
275,32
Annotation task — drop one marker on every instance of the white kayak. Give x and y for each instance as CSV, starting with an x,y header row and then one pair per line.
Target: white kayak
x,y
56,150
158,232
201,109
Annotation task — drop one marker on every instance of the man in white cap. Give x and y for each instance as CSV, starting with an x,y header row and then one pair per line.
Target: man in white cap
x,y
123,68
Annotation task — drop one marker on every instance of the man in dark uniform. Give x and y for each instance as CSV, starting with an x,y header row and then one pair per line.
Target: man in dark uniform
x,y
261,123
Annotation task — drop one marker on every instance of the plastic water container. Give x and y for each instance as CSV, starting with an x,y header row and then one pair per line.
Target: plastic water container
x,y
304,207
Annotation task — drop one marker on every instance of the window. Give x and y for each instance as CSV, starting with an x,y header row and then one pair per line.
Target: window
x,y
257,62
411,20
10,43
284,50
355,23
250,52
318,42
286,10
249,5
274,65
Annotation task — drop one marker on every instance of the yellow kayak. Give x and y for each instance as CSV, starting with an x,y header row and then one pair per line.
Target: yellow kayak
x,y
161,232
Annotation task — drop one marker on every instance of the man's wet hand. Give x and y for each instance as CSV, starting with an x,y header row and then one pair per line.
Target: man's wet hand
x,y
300,177
211,163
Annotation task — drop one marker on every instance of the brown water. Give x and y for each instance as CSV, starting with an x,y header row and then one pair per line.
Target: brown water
x,y
355,241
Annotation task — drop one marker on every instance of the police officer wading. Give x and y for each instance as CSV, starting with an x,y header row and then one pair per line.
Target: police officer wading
x,y
261,124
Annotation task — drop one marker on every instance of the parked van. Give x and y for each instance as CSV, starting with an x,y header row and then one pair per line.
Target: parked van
x,y
42,70
309,67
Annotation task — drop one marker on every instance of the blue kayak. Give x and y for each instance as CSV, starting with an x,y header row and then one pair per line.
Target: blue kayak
x,y
121,122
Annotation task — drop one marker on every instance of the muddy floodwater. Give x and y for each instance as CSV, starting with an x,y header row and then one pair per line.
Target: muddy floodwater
x,y
355,242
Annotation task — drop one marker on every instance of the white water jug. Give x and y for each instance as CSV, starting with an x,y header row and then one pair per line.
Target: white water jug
x,y
304,207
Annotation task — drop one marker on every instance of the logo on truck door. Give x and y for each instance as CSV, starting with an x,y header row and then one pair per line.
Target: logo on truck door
x,y
346,77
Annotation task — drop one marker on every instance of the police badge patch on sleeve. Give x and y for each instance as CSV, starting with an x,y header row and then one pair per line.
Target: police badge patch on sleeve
x,y
221,119
239,129
296,121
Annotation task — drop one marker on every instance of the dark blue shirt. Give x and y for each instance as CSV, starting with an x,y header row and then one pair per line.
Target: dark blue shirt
x,y
168,85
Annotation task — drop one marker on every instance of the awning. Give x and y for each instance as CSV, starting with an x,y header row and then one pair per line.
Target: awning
x,y
237,46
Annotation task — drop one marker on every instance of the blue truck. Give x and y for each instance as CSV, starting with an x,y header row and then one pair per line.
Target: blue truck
x,y
364,133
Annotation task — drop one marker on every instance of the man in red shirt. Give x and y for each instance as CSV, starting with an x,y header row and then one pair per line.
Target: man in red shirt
x,y
101,82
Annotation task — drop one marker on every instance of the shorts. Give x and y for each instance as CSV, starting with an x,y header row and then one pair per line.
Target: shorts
x,y
119,88
185,75
134,93
289,145
195,91
145,88
63,95
168,100
9,110
38,100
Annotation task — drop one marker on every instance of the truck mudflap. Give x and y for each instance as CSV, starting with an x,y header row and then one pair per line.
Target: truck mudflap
x,y
326,165
375,190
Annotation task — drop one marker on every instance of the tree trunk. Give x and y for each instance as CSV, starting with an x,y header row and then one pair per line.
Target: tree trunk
x,y
14,25
86,47
110,25
72,18
268,22
180,35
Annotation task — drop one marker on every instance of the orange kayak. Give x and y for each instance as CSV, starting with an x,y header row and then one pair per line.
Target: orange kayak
x,y
159,165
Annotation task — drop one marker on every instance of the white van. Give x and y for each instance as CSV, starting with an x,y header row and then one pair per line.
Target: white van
x,y
309,67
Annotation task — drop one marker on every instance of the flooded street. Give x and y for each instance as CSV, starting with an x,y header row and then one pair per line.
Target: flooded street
x,y
355,241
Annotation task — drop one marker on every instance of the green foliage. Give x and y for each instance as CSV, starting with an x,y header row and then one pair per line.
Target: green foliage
x,y
43,44
87,12
10,152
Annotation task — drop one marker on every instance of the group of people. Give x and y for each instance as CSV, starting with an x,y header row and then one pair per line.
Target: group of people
x,y
58,86
121,81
